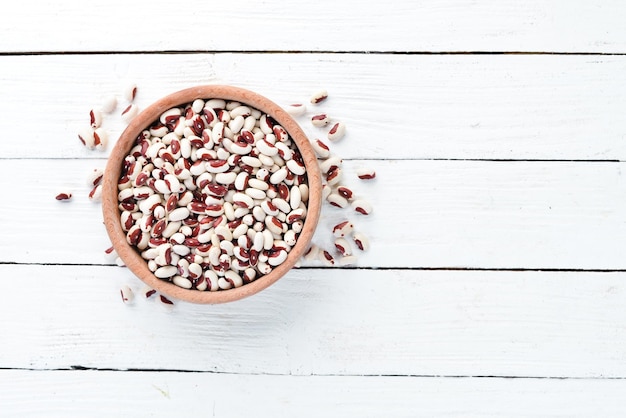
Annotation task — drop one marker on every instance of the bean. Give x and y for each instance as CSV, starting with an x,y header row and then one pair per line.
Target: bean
x,y
326,258
127,294
320,120
86,137
130,92
296,109
343,229
366,174
95,118
165,272
337,200
64,196
321,149
109,104
130,112
343,246
337,131
362,206
347,260
319,96
361,241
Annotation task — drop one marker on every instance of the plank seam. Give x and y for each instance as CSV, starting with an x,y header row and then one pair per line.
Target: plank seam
x,y
321,52
391,268
79,368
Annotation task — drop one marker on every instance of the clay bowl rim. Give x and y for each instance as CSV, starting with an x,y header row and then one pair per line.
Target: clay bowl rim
x,y
111,212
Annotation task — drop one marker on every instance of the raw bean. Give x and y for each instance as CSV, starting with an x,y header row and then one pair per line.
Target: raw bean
x,y
342,245
130,92
366,174
95,195
182,282
297,226
279,175
95,118
295,167
361,241
165,272
295,197
127,294
333,162
326,191
337,131
321,149
86,137
148,292
290,237
362,206
311,253
165,302
64,196
109,104
277,258
296,109
319,96
326,258
348,260
110,254
304,192
130,112
345,192
337,200
320,120
255,193
343,229
334,176
284,151
95,177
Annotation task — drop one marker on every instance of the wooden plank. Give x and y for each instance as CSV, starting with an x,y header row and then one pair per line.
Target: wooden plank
x,y
460,107
324,322
450,25
72,393
459,214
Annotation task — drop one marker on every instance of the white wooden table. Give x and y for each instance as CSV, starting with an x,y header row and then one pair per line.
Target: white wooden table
x,y
496,281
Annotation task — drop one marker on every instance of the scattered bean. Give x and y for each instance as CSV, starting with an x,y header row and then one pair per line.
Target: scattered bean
x,y
296,109
366,174
361,241
95,118
109,104
127,294
362,206
130,112
337,131
130,92
64,196
320,120
319,96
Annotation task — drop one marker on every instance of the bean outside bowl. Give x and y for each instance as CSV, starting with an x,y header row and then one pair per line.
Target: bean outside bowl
x,y
110,205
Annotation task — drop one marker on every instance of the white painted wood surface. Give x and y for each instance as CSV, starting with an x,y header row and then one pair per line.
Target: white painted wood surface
x,y
326,25
495,285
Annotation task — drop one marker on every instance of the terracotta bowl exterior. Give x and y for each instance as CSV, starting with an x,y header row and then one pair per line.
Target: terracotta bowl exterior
x,y
111,212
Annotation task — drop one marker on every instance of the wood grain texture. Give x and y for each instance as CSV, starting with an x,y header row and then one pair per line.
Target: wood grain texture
x,y
459,214
404,25
421,107
166,394
324,322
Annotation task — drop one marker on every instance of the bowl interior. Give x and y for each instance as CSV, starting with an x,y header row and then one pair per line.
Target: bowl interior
x,y
111,212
